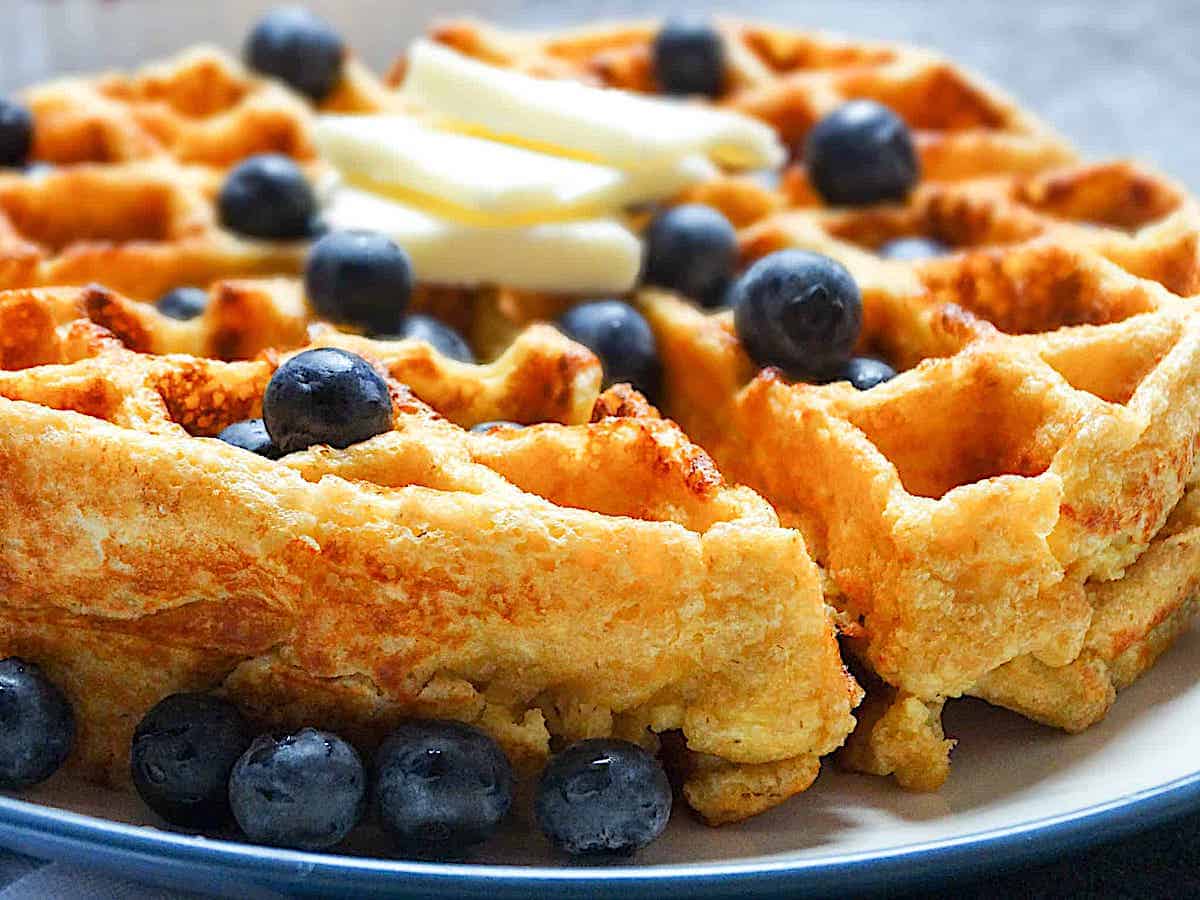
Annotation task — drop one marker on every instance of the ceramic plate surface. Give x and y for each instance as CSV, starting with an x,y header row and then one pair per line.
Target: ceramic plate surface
x,y
1017,792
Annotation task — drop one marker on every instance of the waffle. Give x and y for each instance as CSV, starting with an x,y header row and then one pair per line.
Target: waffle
x,y
138,160
998,519
491,577
1012,517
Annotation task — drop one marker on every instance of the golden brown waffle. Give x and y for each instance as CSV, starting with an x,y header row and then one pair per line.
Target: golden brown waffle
x,y
497,577
139,160
996,521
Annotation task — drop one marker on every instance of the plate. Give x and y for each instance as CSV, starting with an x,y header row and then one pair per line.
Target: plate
x,y
1017,793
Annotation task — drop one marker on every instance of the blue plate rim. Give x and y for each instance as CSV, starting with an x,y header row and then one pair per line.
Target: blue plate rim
x,y
49,829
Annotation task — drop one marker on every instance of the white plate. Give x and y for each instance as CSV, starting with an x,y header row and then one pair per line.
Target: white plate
x,y
1017,791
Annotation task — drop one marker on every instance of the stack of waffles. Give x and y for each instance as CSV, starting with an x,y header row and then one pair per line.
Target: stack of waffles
x,y
1012,517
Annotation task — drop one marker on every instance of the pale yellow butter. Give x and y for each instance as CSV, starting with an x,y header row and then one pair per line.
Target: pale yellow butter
x,y
485,182
609,126
595,256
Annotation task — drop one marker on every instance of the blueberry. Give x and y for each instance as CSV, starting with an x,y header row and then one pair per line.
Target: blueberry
x,y
359,278
861,153
864,373
299,48
16,133
183,303
306,790
909,248
619,335
444,339
267,196
689,58
498,425
37,726
603,796
799,311
441,787
692,249
325,396
183,751
251,435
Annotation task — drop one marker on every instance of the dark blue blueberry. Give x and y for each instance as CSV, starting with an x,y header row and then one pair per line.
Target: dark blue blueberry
x,y
864,373
692,249
861,153
325,396
689,58
267,196
498,425
799,311
251,435
183,752
297,47
621,338
37,726
909,248
444,339
183,303
441,787
359,278
306,790
603,796
16,133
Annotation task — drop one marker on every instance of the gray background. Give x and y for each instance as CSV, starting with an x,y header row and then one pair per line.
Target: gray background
x,y
1119,79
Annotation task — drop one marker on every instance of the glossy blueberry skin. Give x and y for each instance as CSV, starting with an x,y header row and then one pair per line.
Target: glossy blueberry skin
x,y
16,133
444,339
621,338
861,153
297,47
911,248
498,425
865,373
692,250
325,396
182,754
603,796
251,435
183,303
799,311
441,787
267,196
359,278
306,790
37,725
689,58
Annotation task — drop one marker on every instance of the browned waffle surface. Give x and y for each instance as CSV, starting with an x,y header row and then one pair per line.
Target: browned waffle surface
x,y
557,582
